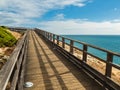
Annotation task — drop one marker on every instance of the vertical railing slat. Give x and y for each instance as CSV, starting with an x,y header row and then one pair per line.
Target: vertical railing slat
x,y
108,65
63,42
71,46
57,40
53,38
84,53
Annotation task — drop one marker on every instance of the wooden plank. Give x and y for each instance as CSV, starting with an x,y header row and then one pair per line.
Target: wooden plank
x,y
17,71
21,79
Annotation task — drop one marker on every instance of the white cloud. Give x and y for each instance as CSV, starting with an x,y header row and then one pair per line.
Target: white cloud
x,y
77,26
21,11
59,16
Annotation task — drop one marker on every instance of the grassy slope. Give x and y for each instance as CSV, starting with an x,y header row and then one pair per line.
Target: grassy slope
x,y
6,38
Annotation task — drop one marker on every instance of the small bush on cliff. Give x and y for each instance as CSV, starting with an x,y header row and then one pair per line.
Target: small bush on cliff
x,y
6,38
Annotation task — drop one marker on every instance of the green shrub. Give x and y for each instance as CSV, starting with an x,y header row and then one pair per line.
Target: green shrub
x,y
6,38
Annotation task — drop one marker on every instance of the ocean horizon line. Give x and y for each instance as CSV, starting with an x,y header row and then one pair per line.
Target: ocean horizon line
x,y
94,34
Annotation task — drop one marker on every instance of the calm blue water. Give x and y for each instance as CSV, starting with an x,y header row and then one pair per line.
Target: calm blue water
x,y
108,42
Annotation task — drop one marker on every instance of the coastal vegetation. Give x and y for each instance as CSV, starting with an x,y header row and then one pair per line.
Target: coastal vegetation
x,y
6,38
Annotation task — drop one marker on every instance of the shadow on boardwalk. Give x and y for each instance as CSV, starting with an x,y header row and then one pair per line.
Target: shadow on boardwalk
x,y
50,71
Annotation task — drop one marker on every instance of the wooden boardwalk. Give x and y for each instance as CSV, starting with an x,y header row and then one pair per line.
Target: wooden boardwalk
x,y
50,71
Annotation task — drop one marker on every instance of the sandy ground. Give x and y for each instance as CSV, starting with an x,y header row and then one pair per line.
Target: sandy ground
x,y
15,34
6,51
96,64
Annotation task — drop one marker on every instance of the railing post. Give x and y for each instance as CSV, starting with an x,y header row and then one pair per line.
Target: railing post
x,y
50,36
108,65
47,34
84,53
44,34
71,46
40,32
53,38
57,40
63,42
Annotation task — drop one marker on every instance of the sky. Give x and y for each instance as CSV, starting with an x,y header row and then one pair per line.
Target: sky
x,y
94,17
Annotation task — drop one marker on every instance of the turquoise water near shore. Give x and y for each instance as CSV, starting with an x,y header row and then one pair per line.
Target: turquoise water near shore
x,y
108,42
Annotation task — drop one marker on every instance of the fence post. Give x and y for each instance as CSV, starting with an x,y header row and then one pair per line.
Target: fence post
x,y
50,36
57,40
63,42
84,53
47,35
53,38
71,46
108,65
42,33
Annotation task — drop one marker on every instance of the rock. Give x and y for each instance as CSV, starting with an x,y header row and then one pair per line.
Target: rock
x,y
8,51
5,57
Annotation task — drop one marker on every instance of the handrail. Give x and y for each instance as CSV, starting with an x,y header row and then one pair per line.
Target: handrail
x,y
57,39
11,70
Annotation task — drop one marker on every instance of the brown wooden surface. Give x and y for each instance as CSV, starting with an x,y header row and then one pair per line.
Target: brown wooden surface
x,y
49,71
104,79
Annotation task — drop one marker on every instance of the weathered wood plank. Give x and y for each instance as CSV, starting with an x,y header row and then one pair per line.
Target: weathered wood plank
x,y
16,74
21,79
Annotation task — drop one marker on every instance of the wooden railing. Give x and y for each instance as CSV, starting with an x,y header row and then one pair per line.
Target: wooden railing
x,y
60,43
12,73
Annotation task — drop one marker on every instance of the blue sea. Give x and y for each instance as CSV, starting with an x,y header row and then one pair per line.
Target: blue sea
x,y
108,42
